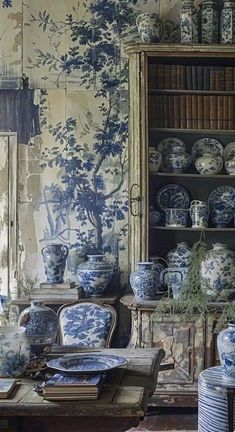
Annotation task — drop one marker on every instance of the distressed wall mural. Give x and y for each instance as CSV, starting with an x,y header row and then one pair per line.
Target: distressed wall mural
x,y
72,158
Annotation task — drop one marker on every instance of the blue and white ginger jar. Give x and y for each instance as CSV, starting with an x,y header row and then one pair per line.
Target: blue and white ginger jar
x,y
95,274
41,325
145,282
179,256
155,159
14,351
54,259
218,270
150,27
226,349
209,164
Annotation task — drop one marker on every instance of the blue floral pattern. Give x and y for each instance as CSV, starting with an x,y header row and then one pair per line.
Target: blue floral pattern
x,y
6,3
14,352
85,325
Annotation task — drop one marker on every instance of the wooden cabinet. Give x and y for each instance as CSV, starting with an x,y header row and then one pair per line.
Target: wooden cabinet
x,y
189,344
187,92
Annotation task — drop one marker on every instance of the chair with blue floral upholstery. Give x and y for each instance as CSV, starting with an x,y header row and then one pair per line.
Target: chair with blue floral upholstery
x,y
87,323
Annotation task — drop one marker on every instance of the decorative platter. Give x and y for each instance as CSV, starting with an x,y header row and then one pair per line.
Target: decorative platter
x,y
167,144
86,363
222,198
229,151
173,196
207,145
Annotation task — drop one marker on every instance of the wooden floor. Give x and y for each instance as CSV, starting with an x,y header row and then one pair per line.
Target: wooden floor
x,y
173,418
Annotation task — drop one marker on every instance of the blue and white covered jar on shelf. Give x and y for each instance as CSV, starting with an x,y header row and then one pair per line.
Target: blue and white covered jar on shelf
x,y
95,274
226,349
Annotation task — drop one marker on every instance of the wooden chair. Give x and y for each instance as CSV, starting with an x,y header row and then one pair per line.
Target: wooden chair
x,y
86,323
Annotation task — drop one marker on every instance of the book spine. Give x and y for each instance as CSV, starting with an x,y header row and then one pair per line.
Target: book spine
x,y
170,103
152,76
160,76
182,111
229,78
183,77
220,112
194,112
165,111
206,111
200,77
176,104
194,77
200,112
230,112
189,77
178,77
213,112
206,78
225,112
188,111
173,77
167,77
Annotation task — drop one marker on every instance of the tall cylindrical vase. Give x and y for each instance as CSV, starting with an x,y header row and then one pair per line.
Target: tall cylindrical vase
x,y
188,23
54,259
209,22
226,349
227,23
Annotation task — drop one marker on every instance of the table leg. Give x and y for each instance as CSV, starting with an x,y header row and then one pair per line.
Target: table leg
x,y
230,395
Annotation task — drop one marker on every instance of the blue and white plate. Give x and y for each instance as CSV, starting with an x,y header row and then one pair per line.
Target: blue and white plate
x,y
86,363
173,196
222,198
207,145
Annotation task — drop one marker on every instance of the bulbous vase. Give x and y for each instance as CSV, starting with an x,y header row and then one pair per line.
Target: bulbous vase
x,y
95,274
179,256
54,259
226,349
40,324
145,282
14,351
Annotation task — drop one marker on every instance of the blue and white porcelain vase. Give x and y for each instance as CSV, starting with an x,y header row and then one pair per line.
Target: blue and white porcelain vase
x,y
41,325
179,256
150,27
209,164
209,22
188,23
14,351
218,270
159,264
54,259
226,349
227,23
145,282
155,159
95,274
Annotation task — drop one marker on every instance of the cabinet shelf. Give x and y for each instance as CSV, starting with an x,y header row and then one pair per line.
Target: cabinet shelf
x,y
166,228
183,91
194,131
198,176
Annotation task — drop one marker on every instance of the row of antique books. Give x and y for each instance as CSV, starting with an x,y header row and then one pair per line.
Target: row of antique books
x,y
74,387
192,111
47,291
191,77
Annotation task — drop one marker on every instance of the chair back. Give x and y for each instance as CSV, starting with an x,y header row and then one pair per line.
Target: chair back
x,y
86,323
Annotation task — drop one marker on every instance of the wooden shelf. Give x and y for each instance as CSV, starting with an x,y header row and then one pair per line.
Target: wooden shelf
x,y
167,228
184,91
198,176
199,131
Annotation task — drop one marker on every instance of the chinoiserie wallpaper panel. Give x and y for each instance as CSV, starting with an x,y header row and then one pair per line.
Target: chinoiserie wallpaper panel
x,y
72,159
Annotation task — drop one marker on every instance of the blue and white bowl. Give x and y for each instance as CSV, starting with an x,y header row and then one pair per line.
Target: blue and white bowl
x,y
175,217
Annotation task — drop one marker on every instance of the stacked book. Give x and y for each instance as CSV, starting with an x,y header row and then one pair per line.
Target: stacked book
x,y
73,387
66,290
6,387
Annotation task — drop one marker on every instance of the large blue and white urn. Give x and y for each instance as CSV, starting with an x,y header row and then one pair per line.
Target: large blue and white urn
x,y
95,274
226,349
218,270
145,282
41,325
14,351
54,259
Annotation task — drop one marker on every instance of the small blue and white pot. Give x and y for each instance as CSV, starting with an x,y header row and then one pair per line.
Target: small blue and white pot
x,y
155,159
209,164
230,166
95,274
14,351
177,161
40,324
145,282
176,217
150,27
199,213
226,349
54,259
221,219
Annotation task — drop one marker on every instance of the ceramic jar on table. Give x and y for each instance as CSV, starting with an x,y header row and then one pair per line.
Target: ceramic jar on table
x,y
188,23
95,274
209,22
218,270
145,282
54,259
14,351
226,349
227,23
150,27
40,324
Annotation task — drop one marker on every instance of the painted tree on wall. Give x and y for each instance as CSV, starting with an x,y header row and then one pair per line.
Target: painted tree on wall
x,y
95,51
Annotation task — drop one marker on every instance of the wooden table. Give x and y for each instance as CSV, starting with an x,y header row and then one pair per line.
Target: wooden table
x,y
122,403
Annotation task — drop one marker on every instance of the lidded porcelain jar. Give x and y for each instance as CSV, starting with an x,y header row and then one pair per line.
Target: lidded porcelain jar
x,y
179,256
209,19
188,23
226,349
145,282
177,160
227,23
95,274
209,164
40,324
14,352
218,270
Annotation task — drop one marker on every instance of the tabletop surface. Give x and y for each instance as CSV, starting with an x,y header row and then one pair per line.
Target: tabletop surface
x,y
125,393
